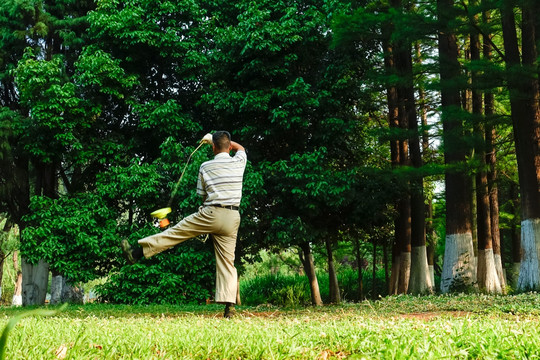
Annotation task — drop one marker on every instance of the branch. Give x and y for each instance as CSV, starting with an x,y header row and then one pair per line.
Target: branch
x,y
481,32
67,184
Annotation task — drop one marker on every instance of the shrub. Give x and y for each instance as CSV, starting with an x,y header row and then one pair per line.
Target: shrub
x,y
184,274
348,284
293,290
281,290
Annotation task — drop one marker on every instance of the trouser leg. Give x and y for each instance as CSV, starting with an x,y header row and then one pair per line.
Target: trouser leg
x,y
223,225
224,245
226,275
201,222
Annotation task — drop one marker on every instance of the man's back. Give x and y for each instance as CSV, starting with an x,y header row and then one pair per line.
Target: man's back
x,y
220,179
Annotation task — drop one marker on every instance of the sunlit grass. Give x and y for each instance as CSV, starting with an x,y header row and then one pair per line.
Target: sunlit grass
x,y
396,327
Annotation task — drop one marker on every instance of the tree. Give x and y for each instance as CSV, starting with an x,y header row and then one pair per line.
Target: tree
x,y
293,100
419,280
8,243
524,97
393,29
335,296
38,121
488,279
491,157
458,266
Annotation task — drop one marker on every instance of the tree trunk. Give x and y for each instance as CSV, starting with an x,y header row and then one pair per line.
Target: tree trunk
x,y
415,214
524,97
428,223
309,269
36,277
57,285
394,272
238,298
430,238
515,235
487,277
385,261
405,246
7,231
419,280
491,159
17,293
34,282
404,205
71,294
458,267
335,297
2,260
359,263
374,272
395,152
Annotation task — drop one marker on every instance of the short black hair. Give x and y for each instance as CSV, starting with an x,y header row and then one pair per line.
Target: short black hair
x,y
222,140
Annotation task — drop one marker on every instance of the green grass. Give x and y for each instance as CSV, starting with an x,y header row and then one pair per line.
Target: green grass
x,y
400,327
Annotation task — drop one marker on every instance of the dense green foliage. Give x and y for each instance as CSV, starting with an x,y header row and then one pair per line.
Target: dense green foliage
x,y
182,275
102,102
75,236
293,290
114,118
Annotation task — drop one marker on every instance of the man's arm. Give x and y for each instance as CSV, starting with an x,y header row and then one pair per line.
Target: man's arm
x,y
236,146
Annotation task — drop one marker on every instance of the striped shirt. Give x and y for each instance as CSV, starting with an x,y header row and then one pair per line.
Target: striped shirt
x,y
220,179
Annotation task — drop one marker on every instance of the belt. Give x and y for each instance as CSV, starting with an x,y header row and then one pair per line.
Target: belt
x,y
230,207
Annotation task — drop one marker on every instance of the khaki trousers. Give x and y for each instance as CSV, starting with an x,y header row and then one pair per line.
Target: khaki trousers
x,y
223,225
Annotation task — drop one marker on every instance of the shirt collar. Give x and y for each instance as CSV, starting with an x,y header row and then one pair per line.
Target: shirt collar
x,y
222,155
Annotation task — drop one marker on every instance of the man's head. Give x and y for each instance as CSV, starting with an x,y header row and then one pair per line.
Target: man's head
x,y
221,141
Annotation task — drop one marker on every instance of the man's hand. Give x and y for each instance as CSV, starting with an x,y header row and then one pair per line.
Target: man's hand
x,y
207,139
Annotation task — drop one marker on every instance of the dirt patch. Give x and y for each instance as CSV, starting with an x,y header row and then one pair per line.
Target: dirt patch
x,y
246,314
262,314
331,355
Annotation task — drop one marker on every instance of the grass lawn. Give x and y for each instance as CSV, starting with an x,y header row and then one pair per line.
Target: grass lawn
x,y
400,327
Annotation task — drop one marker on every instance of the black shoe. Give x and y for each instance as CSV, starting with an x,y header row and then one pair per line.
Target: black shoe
x,y
127,252
230,311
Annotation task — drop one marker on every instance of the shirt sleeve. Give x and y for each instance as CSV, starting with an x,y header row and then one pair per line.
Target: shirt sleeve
x,y
240,156
201,188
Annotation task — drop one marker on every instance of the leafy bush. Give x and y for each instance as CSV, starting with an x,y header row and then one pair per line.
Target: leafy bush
x,y
348,284
293,290
184,274
291,295
281,290
75,235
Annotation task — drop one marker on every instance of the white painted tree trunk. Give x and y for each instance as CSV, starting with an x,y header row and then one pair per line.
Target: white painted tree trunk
x,y
529,272
500,271
17,300
404,272
420,279
35,279
71,294
459,267
57,285
432,275
488,279
17,294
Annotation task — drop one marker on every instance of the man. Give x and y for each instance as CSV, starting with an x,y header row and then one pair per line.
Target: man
x,y
220,186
